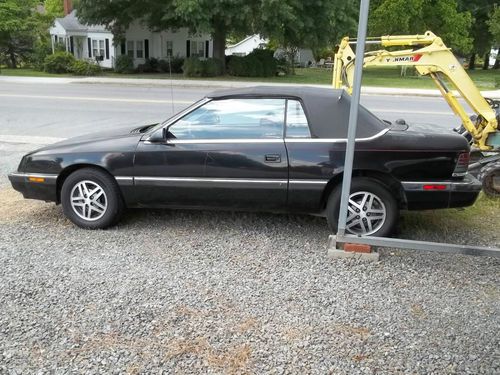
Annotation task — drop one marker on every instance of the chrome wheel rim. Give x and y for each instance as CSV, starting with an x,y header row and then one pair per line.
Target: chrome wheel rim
x,y
88,200
366,213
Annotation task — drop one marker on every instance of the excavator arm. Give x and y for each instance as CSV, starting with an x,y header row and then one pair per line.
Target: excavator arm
x,y
429,55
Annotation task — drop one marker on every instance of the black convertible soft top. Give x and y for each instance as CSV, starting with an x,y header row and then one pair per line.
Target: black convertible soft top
x,y
327,109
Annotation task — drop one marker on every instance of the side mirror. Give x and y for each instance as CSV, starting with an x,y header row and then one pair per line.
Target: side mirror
x,y
160,136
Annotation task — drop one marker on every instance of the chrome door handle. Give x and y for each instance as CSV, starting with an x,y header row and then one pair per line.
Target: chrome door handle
x,y
273,158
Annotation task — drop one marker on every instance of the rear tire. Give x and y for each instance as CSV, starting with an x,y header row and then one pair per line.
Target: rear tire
x,y
488,174
372,210
91,199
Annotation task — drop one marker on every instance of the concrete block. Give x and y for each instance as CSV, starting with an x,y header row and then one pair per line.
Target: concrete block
x,y
342,254
354,252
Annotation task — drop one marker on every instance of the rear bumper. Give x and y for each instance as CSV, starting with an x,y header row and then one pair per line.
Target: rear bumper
x,y
35,185
421,195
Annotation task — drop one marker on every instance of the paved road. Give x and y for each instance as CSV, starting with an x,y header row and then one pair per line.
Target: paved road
x,y
54,110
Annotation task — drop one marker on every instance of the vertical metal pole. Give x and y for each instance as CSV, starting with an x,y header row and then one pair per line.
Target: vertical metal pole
x,y
353,115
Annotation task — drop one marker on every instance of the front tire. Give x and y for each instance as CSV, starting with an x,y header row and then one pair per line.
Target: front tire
x,y
91,199
372,209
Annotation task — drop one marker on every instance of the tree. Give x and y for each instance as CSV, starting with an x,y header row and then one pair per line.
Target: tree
x,y
482,40
215,17
293,22
54,8
417,16
18,29
494,27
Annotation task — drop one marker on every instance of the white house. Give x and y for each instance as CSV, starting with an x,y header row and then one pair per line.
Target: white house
x,y
493,55
141,43
247,45
96,43
91,42
304,56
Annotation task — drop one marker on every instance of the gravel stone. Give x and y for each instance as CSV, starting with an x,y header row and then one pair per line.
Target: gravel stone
x,y
221,292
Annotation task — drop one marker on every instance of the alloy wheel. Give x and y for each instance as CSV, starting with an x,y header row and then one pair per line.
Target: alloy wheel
x,y
366,213
88,200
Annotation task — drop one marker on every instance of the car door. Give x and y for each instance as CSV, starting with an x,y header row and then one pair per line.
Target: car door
x,y
246,155
227,153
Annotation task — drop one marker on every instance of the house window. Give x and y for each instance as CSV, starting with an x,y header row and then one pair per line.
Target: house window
x,y
139,49
130,48
170,48
97,48
197,49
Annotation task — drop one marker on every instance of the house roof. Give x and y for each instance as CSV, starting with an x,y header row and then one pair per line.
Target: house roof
x,y
71,23
327,109
257,36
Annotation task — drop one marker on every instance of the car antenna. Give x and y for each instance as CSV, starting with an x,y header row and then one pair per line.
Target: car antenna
x,y
171,83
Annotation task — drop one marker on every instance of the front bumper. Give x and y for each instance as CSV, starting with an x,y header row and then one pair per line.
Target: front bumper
x,y
421,195
35,185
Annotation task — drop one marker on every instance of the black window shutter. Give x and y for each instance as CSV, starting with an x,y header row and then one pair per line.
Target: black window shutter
x,y
188,48
89,45
71,45
122,48
146,48
107,48
207,44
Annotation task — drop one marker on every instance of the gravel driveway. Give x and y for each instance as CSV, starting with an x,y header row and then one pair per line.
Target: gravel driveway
x,y
205,292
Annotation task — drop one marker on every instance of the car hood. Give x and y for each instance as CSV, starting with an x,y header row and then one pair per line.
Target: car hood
x,y
122,132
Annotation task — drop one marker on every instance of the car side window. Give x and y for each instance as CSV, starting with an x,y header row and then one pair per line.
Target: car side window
x,y
233,119
296,120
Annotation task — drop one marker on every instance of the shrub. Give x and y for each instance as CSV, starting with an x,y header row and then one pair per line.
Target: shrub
x,y
283,66
267,61
85,68
212,67
124,64
176,64
41,50
236,66
192,67
259,63
59,62
151,65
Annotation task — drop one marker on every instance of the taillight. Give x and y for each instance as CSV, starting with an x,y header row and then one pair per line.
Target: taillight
x,y
462,165
435,187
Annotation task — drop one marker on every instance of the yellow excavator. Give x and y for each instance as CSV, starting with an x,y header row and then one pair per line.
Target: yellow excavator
x,y
430,57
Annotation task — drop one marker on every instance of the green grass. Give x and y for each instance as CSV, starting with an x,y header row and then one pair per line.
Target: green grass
x,y
480,221
26,72
381,77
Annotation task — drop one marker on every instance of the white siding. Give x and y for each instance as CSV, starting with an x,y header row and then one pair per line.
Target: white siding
x,y
105,63
158,42
57,29
246,46
136,33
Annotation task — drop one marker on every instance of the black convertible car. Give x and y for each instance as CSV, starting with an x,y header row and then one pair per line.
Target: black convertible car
x,y
277,149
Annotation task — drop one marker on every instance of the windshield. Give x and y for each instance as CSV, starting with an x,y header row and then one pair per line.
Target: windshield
x,y
179,114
